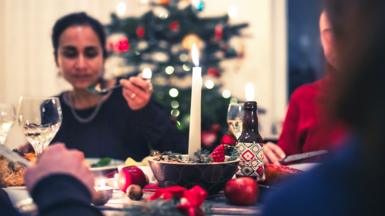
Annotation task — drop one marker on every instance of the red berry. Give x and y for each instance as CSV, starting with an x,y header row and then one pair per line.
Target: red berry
x,y
218,154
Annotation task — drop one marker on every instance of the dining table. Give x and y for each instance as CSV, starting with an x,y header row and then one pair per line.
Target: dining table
x,y
121,204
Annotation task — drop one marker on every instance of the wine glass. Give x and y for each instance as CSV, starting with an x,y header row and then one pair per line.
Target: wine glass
x,y
235,119
7,118
40,119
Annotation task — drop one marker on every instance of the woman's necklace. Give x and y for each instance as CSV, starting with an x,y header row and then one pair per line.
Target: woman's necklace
x,y
87,119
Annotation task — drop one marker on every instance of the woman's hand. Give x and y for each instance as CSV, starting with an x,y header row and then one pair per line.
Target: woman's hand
x,y
137,92
57,159
273,153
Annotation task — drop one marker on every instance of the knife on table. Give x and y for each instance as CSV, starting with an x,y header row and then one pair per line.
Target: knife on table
x,y
302,156
13,156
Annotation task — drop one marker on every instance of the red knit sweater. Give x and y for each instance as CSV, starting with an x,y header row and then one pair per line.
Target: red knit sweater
x,y
303,129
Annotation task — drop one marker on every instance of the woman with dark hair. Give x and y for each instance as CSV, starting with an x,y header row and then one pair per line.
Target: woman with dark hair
x,y
125,122
352,181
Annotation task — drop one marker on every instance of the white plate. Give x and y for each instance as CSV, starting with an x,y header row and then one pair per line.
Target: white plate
x,y
303,166
17,194
114,164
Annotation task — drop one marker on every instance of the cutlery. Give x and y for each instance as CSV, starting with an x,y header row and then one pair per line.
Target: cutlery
x,y
98,87
302,156
13,156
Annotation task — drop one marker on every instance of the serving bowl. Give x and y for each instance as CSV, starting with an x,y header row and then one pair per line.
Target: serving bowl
x,y
210,176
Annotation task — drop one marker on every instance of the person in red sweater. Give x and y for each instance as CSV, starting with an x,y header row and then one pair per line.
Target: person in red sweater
x,y
305,127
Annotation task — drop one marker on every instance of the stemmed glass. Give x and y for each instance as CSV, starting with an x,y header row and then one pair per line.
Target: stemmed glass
x,y
40,119
7,118
234,119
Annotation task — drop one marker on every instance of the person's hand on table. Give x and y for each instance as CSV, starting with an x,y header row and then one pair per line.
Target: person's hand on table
x,y
137,92
273,153
57,159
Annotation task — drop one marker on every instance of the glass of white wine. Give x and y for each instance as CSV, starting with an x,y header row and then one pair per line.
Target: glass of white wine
x,y
40,119
235,119
7,118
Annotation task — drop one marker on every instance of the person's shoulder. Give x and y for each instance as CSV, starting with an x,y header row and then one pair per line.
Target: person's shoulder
x,y
306,90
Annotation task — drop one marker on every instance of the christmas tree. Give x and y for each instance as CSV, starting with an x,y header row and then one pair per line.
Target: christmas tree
x,y
161,40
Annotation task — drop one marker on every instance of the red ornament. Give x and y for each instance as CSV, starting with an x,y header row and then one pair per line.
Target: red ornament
x,y
218,32
122,45
242,191
208,138
228,139
174,26
131,175
140,31
216,128
213,71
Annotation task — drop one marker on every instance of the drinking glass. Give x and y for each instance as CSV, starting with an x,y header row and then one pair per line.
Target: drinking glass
x,y
7,118
40,119
234,119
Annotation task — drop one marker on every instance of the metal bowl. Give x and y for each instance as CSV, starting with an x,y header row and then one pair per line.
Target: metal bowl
x,y
210,176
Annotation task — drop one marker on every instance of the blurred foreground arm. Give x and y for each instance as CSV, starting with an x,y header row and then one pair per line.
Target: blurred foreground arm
x,y
61,183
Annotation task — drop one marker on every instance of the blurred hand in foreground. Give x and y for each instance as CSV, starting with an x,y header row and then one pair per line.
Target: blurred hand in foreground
x,y
57,159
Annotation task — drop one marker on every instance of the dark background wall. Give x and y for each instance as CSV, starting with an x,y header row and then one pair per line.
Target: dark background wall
x,y
306,62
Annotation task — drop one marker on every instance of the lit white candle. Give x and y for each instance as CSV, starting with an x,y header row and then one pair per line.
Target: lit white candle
x,y
194,143
250,92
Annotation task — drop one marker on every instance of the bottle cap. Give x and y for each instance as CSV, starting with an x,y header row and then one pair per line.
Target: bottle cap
x,y
250,105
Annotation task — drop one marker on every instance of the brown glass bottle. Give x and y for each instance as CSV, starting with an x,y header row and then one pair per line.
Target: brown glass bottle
x,y
249,145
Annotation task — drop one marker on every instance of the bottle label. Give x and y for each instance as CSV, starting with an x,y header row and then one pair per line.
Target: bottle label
x,y
251,160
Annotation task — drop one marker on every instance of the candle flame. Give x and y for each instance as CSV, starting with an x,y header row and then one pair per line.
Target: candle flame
x,y
121,9
147,73
195,55
250,92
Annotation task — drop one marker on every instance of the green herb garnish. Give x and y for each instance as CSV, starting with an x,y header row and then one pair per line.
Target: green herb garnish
x,y
102,162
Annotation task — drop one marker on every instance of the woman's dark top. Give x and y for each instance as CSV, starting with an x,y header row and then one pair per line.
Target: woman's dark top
x,y
119,132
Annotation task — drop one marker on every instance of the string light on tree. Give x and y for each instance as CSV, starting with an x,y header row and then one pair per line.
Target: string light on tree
x,y
169,70
226,93
174,104
175,112
209,84
173,92
198,4
121,8
183,57
186,67
232,11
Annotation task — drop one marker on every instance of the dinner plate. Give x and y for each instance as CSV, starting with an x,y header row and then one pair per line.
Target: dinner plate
x,y
17,194
303,166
